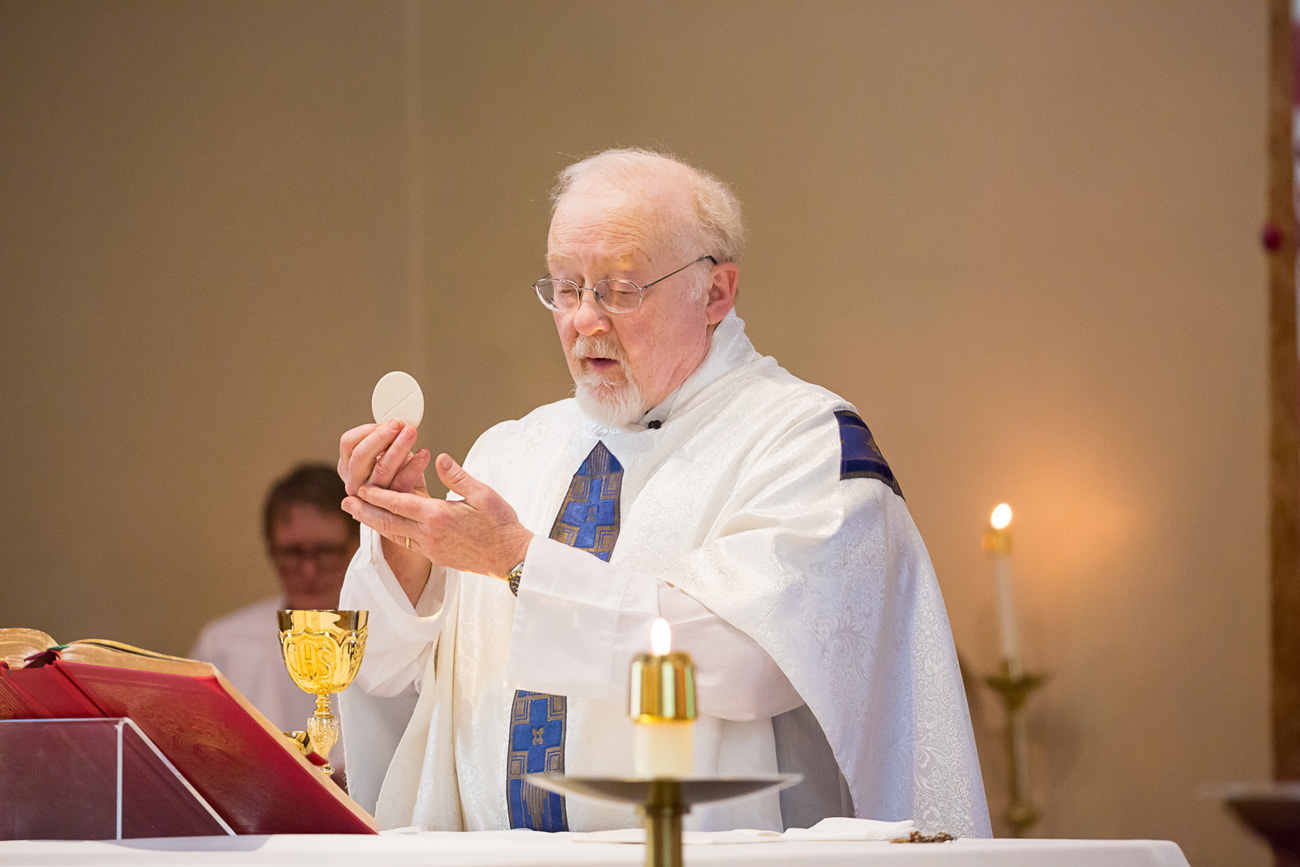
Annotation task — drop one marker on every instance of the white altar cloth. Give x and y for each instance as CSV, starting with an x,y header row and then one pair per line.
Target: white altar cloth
x,y
522,848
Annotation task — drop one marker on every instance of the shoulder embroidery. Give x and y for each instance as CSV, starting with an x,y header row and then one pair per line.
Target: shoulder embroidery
x,y
860,457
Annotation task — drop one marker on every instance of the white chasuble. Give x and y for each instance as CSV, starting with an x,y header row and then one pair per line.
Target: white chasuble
x,y
758,518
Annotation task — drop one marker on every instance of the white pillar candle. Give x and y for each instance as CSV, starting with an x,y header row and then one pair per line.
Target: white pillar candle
x,y
663,748
998,541
662,708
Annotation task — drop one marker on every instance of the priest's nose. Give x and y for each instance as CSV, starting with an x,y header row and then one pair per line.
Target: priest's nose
x,y
589,317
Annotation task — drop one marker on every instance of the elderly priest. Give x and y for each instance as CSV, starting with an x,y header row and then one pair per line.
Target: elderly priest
x,y
691,478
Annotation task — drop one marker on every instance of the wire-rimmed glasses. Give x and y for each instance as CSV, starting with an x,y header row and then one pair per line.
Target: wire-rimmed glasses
x,y
614,296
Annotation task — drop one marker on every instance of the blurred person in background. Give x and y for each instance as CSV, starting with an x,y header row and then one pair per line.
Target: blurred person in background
x,y
310,541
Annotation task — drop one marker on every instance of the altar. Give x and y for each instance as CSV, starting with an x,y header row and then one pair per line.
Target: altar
x,y
523,848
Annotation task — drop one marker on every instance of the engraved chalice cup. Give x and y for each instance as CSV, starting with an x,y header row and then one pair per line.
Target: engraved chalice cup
x,y
322,648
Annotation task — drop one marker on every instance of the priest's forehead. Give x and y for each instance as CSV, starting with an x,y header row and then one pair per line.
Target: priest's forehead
x,y
622,226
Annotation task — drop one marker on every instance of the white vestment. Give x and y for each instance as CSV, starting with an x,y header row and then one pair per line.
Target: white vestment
x,y
793,589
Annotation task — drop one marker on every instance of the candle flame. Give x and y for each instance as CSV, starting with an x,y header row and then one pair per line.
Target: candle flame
x,y
661,637
1001,517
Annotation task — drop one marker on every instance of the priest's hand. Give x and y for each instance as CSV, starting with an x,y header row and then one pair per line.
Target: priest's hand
x,y
380,455
479,533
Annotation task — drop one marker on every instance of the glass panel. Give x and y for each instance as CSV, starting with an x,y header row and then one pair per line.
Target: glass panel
x,y
93,779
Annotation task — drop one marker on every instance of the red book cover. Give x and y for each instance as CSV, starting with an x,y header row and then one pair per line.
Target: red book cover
x,y
31,693
251,773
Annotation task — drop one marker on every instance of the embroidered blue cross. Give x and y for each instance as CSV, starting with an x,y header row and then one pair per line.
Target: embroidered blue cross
x,y
536,746
588,519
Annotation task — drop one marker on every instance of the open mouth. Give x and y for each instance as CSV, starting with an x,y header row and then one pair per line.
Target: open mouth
x,y
597,356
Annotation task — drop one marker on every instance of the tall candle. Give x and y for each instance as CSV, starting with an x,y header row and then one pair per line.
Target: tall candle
x,y
662,707
998,542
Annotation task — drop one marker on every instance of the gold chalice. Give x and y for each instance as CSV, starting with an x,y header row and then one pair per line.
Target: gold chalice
x,y
322,648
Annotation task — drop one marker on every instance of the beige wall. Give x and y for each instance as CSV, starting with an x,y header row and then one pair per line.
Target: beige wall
x,y
1021,237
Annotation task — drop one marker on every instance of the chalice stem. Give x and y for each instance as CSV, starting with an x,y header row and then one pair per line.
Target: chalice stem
x,y
324,730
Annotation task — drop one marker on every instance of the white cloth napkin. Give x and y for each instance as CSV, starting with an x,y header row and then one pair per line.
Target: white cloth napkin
x,y
843,828
835,828
689,838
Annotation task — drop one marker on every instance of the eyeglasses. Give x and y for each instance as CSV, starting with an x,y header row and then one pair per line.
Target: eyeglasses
x,y
324,556
614,296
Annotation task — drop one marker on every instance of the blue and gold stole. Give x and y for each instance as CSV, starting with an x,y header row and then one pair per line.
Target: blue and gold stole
x,y
589,520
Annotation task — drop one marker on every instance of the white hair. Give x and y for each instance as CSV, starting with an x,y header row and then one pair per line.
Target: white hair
x,y
717,229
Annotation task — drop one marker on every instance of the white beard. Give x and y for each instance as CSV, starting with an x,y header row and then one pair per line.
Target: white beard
x,y
608,402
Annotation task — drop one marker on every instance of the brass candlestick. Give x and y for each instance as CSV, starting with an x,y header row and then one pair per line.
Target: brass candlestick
x,y
663,801
1014,686
663,811
322,648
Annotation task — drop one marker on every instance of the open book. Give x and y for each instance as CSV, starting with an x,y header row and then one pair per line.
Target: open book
x,y
252,774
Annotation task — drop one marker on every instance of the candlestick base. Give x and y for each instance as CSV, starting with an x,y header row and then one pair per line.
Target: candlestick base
x,y
1014,686
663,801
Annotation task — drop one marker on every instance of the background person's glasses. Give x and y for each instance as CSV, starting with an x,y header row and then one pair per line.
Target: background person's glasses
x,y
615,296
324,556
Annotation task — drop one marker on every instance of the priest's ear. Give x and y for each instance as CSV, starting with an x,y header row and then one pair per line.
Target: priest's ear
x,y
724,282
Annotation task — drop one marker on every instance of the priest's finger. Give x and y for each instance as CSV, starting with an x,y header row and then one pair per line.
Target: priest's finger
x,y
348,444
381,520
459,482
410,478
367,452
394,456
408,507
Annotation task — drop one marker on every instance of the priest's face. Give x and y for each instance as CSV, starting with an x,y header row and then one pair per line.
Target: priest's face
x,y
624,364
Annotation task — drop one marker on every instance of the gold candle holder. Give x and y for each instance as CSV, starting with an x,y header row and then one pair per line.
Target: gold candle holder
x,y
322,649
663,713
1014,686
662,708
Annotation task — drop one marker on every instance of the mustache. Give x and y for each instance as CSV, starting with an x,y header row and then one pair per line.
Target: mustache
x,y
601,346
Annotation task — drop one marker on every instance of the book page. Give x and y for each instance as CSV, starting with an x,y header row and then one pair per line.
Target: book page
x,y
102,651
18,643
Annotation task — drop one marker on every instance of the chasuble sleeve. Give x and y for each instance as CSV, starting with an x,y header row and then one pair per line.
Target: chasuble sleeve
x,y
579,622
401,636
